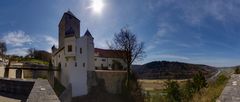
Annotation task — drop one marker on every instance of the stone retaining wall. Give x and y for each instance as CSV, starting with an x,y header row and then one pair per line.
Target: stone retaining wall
x,y
15,88
27,90
113,80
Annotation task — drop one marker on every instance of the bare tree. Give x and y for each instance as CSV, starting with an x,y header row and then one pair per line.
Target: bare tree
x,y
31,52
127,42
3,49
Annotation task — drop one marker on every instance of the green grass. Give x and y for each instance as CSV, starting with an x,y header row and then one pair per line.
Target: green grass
x,y
34,61
154,96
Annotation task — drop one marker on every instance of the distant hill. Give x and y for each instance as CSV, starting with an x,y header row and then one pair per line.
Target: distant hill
x,y
171,70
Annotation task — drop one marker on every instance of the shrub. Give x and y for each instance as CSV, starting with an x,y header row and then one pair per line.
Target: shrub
x,y
132,91
188,90
221,79
173,91
237,71
199,81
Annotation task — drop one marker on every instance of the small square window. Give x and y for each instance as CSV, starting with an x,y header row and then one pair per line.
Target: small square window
x,y
69,48
95,59
103,60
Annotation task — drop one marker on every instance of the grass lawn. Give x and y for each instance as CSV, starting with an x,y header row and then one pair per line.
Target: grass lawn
x,y
34,61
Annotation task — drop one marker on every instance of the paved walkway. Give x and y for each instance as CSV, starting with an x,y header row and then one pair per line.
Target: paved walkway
x,y
7,99
231,92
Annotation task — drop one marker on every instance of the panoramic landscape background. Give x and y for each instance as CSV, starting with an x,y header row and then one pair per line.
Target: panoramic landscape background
x,y
199,31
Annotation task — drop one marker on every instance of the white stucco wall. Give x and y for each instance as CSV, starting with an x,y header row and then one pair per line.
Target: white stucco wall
x,y
108,61
74,65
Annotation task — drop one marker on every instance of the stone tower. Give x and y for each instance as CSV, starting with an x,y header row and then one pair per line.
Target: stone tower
x,y
68,26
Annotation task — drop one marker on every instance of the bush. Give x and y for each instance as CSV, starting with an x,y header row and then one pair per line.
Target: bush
x,y
199,81
132,91
173,91
188,90
221,79
237,71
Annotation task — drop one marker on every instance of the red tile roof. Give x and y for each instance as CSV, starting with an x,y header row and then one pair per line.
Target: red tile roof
x,y
107,53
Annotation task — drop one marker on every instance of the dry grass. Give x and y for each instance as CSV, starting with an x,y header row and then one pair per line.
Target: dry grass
x,y
212,92
156,84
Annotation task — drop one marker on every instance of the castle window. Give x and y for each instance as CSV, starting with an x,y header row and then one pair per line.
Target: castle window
x,y
69,48
83,64
75,64
65,64
95,59
103,60
80,50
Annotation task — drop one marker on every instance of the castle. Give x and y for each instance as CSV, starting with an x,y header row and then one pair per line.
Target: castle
x,y
76,56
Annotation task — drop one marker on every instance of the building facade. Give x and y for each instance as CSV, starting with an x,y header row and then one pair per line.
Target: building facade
x,y
105,59
76,56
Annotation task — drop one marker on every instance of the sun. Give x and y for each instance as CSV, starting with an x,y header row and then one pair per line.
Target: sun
x,y
97,6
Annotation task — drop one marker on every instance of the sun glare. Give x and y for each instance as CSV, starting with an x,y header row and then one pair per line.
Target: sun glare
x,y
97,6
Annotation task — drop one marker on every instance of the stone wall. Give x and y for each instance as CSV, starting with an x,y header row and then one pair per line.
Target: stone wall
x,y
66,95
27,90
112,80
15,88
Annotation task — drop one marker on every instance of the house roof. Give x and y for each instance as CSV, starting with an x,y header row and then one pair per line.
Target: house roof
x,y
58,50
107,53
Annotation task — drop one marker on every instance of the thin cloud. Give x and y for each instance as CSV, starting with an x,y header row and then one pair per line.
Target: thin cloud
x,y
217,9
17,38
171,56
164,29
18,51
51,41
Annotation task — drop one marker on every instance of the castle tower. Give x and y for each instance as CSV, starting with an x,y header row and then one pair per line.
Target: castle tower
x,y
68,26
75,55
90,48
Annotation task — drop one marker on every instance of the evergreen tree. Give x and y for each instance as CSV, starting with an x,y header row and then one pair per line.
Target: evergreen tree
x,y
199,81
173,91
188,90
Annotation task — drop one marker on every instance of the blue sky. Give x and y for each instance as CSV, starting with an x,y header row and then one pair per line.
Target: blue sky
x,y
194,31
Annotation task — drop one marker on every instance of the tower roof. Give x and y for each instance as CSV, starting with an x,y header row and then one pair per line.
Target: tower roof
x,y
87,33
70,13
